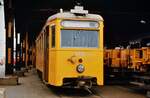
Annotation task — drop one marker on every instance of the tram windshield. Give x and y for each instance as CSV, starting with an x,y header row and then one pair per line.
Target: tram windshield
x,y
79,39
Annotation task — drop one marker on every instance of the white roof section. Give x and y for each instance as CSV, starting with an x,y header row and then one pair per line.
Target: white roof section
x,y
77,12
71,15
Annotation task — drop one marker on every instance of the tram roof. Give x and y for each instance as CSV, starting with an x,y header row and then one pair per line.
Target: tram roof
x,y
64,15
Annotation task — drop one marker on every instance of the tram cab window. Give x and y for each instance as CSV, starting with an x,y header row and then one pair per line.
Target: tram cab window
x,y
79,39
53,36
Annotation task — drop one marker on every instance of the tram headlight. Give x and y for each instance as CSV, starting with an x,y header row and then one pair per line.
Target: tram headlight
x,y
80,68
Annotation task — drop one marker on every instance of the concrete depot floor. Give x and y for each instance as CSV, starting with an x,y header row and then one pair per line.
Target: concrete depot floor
x,y
32,87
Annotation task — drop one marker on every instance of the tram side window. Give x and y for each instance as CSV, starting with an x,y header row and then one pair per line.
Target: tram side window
x,y
140,54
53,36
47,37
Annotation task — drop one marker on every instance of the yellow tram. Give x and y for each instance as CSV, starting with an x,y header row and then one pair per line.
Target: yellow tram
x,y
69,49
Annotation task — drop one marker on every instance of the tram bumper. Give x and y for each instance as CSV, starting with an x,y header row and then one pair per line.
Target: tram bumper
x,y
80,82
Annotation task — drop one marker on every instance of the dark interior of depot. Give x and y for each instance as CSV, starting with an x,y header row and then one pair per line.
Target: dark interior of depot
x,y
124,20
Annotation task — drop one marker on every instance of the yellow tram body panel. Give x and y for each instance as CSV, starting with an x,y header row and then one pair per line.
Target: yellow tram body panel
x,y
136,58
125,58
108,57
116,58
146,55
39,52
63,68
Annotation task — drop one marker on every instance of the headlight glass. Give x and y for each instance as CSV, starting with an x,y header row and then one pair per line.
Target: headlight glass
x,y
80,68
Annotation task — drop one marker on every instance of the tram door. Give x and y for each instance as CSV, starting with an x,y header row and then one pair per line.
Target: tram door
x,y
46,53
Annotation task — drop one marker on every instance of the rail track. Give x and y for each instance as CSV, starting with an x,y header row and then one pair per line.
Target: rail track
x,y
76,93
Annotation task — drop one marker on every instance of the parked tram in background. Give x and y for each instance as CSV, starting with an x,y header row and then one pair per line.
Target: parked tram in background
x,y
135,60
69,49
